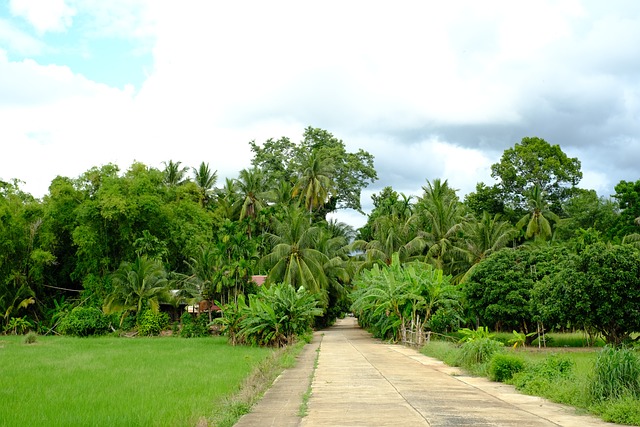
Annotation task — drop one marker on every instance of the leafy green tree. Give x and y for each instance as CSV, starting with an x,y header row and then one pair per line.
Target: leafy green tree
x,y
486,199
585,210
628,198
137,285
283,160
534,162
498,291
24,254
390,234
388,203
600,289
274,159
398,295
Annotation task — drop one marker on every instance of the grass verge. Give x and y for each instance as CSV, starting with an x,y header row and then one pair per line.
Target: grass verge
x,y
255,385
302,412
561,375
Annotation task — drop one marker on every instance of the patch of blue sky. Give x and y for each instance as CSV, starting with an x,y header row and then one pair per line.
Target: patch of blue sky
x,y
111,60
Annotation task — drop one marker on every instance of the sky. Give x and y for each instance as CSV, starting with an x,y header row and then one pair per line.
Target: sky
x,y
431,89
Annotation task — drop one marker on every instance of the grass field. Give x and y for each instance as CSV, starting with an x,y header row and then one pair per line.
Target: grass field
x,y
110,381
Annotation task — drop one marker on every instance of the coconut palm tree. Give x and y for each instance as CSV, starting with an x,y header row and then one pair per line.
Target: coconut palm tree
x,y
537,221
294,258
253,195
484,237
137,285
440,216
205,179
174,175
251,184
391,234
315,183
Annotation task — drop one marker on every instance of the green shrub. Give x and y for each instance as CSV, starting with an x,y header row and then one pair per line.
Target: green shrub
x,y
616,374
84,321
194,327
30,338
624,410
444,320
536,378
479,351
18,325
277,315
152,323
502,367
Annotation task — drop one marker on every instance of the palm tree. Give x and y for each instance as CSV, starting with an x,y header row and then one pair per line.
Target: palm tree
x,y
294,258
253,196
205,180
537,220
137,285
173,173
391,234
315,181
484,237
441,216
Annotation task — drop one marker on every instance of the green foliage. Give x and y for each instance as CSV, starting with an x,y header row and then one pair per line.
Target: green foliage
x,y
503,367
498,290
623,410
599,289
628,198
284,161
444,320
475,334
194,326
538,377
136,286
398,295
18,325
478,352
294,257
535,162
152,323
232,314
616,374
519,339
83,322
277,315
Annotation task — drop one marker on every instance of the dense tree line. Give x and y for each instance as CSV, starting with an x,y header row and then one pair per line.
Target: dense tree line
x,y
126,241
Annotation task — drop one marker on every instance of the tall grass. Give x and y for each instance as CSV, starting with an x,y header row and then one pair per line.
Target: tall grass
x,y
65,381
616,374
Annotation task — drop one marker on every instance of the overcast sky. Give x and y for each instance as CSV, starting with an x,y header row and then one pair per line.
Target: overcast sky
x,y
431,89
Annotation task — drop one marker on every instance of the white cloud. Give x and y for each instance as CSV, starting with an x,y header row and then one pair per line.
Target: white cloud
x,y
432,90
44,15
18,41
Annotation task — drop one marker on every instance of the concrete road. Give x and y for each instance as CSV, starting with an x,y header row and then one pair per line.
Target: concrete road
x,y
360,381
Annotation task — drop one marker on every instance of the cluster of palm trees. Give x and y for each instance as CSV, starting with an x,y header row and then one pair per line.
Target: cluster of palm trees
x,y
273,228
438,229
